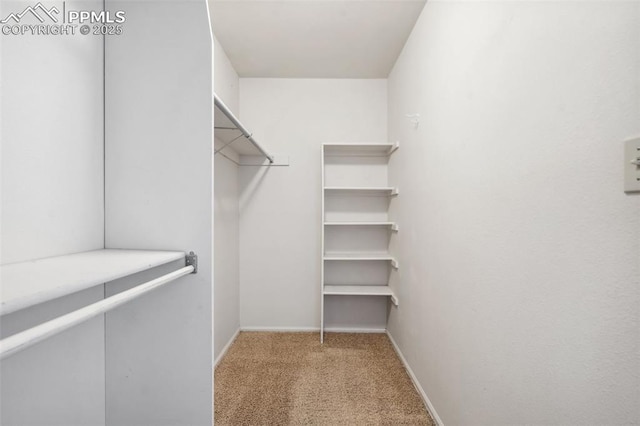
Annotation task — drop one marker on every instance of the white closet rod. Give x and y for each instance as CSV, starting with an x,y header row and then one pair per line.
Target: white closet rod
x,y
226,111
24,339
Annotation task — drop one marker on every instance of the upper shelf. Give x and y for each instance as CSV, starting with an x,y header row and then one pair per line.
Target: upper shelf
x,y
29,283
360,149
233,135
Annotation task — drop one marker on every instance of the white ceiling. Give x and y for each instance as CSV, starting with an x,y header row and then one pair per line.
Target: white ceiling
x,y
314,38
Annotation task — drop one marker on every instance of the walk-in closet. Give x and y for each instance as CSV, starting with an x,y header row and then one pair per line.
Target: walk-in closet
x,y
448,174
319,212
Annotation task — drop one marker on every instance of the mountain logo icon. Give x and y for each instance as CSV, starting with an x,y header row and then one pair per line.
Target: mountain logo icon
x,y
36,11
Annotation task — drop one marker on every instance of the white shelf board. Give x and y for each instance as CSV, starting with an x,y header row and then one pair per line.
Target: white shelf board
x,y
360,290
384,191
359,149
357,256
29,283
361,257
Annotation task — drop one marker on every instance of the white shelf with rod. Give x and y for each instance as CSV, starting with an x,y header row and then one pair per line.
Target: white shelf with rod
x,y
131,170
354,241
26,284
232,134
30,283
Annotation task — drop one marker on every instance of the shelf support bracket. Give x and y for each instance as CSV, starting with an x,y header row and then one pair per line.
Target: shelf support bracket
x,y
395,146
394,300
394,264
191,259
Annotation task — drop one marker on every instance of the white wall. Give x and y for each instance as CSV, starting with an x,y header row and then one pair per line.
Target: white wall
x,y
51,104
520,252
51,132
280,206
159,191
226,281
59,381
226,82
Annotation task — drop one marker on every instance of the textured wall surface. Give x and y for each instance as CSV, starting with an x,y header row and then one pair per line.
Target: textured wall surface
x,y
520,251
51,204
226,229
280,206
51,99
159,191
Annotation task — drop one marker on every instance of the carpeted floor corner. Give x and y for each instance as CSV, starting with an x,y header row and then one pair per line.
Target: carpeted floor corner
x,y
291,379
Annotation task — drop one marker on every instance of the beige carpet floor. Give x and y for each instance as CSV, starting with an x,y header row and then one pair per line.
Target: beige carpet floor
x,y
290,379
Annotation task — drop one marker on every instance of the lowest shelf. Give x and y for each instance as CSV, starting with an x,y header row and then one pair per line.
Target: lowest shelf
x,y
26,284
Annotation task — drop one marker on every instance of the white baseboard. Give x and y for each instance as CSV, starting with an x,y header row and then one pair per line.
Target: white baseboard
x,y
314,329
353,330
417,385
226,348
281,329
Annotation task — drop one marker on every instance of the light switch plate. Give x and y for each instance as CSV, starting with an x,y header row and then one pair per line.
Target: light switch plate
x,y
632,165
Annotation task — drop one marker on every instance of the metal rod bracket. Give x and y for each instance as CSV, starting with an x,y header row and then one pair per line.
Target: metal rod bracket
x,y
191,259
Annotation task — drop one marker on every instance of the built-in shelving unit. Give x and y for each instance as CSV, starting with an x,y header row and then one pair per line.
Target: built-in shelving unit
x,y
356,229
30,283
